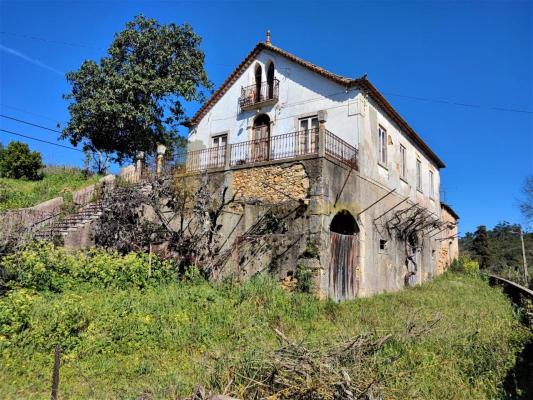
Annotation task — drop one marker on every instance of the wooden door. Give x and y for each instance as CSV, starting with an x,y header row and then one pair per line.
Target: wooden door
x,y
344,252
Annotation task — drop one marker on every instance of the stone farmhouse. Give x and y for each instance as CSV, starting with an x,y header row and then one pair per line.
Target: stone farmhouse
x,y
283,130
328,177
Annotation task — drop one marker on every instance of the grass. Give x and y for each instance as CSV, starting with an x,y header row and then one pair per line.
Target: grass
x,y
17,193
162,341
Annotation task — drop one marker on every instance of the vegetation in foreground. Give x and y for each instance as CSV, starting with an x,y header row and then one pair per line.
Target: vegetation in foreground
x,y
56,181
128,329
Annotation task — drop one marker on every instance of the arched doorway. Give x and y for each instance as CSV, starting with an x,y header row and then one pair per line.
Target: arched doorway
x,y
260,148
343,253
258,77
270,80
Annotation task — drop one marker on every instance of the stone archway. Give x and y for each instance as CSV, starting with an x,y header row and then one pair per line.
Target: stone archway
x,y
343,256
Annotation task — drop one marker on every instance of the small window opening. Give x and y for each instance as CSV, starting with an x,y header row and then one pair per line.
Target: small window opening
x,y
382,244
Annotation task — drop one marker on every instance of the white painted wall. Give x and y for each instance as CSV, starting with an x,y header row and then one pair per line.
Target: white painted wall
x,y
350,116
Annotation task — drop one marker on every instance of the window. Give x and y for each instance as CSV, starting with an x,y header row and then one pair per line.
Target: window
x,y
220,140
382,146
419,175
308,135
382,244
218,152
403,159
431,185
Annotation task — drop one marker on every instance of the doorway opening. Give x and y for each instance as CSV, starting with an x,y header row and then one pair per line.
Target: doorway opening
x,y
260,149
344,253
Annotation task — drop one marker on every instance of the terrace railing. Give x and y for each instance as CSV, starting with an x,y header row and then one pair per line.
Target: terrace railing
x,y
266,92
201,160
278,147
340,150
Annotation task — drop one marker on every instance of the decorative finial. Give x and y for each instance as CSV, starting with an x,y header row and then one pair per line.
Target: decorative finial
x,y
268,37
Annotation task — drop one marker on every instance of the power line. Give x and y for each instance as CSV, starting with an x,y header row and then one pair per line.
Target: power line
x,y
426,99
29,123
27,112
49,41
40,140
455,103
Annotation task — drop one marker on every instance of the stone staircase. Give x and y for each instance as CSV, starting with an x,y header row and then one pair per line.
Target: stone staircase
x,y
70,223
61,227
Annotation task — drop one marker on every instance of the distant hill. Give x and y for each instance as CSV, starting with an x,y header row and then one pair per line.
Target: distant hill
x,y
505,251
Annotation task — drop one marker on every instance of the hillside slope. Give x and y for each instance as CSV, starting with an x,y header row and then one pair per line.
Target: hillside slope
x,y
162,340
17,193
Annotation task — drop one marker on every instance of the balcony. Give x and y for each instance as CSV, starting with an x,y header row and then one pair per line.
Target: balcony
x,y
262,95
304,143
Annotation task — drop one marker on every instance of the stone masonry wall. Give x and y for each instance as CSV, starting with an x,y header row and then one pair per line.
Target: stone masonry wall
x,y
271,184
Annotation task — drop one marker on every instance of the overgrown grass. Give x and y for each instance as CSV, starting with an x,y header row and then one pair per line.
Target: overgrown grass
x,y
57,181
163,340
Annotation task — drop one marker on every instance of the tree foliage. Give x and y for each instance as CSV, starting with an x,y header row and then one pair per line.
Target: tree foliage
x,y
505,250
526,205
17,161
480,245
131,100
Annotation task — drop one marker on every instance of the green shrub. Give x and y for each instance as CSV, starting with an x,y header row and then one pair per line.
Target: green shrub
x,y
18,162
305,278
465,265
42,266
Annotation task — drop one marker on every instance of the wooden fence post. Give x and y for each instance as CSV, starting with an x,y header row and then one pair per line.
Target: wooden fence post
x,y
55,376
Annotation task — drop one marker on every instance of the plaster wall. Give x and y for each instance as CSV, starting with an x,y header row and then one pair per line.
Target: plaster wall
x,y
351,115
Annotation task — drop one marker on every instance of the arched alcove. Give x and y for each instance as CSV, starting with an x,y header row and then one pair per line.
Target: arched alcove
x,y
344,223
258,77
270,79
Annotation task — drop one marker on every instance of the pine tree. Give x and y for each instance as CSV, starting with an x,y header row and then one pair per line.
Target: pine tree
x,y
480,246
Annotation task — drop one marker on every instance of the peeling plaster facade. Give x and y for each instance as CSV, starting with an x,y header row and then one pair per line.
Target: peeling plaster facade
x,y
319,186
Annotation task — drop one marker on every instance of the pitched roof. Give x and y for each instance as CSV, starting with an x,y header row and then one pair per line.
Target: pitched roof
x,y
449,209
361,83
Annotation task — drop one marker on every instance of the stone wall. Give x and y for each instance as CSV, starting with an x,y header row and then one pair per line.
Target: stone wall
x,y
272,184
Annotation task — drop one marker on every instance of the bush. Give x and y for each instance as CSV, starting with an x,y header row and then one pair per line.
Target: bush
x,y
465,265
18,162
42,266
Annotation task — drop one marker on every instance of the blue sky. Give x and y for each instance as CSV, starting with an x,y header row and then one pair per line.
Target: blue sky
x,y
475,53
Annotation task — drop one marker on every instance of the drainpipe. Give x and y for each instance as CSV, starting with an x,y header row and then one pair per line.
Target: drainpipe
x,y
160,159
322,117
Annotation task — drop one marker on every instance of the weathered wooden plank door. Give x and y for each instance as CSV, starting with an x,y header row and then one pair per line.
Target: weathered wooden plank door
x,y
344,252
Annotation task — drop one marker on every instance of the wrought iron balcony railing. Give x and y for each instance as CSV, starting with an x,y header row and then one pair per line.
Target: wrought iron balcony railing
x,y
277,147
265,93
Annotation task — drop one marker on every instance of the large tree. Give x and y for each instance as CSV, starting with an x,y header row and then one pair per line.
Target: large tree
x,y
17,161
131,100
480,246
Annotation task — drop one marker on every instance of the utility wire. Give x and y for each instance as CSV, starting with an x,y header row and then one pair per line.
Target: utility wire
x,y
49,41
29,123
40,140
426,99
27,112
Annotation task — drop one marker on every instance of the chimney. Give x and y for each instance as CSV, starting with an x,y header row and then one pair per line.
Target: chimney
x,y
268,37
